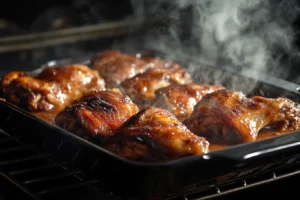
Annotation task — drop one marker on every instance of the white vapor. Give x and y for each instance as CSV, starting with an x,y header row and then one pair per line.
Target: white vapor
x,y
250,35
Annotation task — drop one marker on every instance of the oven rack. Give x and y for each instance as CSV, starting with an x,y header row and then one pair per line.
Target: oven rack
x,y
25,169
39,176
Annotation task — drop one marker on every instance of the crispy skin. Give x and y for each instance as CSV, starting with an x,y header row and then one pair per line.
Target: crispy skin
x,y
230,117
96,113
115,67
53,88
181,99
155,134
141,88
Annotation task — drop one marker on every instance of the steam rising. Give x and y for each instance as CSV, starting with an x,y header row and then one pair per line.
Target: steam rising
x,y
249,35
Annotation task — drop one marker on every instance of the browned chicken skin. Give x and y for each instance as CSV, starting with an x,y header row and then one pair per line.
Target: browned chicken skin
x,y
96,113
165,93
181,99
230,117
53,88
155,134
141,88
115,67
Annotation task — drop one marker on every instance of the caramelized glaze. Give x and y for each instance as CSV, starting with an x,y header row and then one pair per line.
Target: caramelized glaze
x,y
141,88
229,117
53,88
74,98
96,113
155,134
181,99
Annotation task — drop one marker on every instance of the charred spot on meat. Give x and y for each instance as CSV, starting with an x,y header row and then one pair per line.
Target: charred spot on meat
x,y
229,117
52,89
97,113
154,134
92,102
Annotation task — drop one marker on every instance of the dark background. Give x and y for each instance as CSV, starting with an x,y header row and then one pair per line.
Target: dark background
x,y
30,16
24,14
19,18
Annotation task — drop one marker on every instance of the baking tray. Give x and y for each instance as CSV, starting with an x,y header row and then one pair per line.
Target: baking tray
x,y
173,178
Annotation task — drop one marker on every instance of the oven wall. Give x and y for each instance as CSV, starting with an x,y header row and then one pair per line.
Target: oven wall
x,y
35,16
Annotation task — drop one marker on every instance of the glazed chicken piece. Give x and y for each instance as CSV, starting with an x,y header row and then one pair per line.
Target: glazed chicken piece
x,y
141,88
53,88
229,117
181,99
155,134
98,113
115,67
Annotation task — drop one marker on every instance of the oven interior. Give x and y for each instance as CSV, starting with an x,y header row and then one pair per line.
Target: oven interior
x,y
39,170
33,152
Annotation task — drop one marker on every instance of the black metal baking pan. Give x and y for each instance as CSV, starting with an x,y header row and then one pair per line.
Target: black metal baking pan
x,y
174,178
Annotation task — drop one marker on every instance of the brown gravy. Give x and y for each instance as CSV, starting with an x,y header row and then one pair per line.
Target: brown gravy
x,y
268,134
215,147
264,134
48,116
